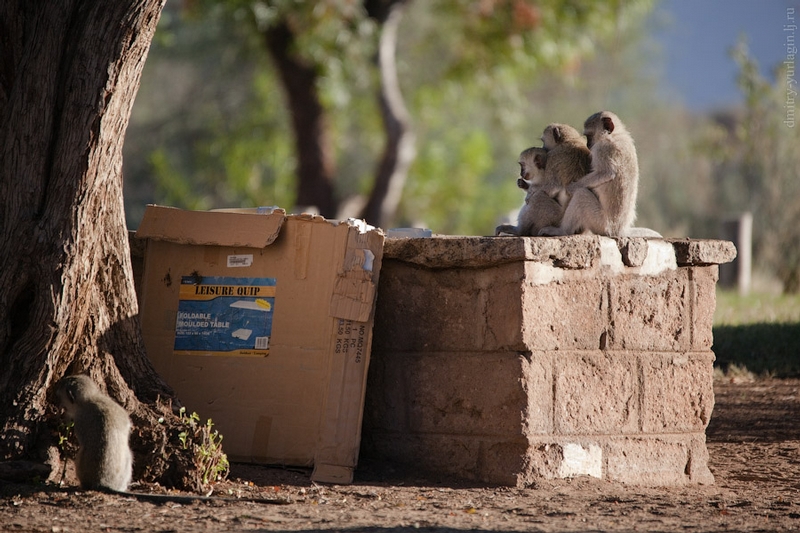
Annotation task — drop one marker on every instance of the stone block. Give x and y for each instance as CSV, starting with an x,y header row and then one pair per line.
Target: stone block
x,y
549,458
467,394
697,469
484,459
634,251
596,393
704,303
651,312
444,251
502,462
537,382
697,252
564,315
453,455
677,392
419,309
386,401
667,460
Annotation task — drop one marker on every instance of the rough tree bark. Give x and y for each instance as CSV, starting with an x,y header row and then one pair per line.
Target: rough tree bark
x,y
399,151
69,72
315,168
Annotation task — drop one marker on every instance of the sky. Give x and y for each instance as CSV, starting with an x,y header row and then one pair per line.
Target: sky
x,y
695,37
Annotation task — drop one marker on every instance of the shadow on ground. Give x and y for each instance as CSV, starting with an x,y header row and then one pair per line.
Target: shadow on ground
x,y
766,410
765,349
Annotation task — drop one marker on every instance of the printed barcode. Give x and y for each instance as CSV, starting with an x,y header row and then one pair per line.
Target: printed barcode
x,y
262,343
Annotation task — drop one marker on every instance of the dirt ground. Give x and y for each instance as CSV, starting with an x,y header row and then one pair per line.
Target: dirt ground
x,y
753,442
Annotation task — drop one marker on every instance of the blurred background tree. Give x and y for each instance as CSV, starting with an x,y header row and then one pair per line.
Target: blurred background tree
x,y
214,126
756,167
252,93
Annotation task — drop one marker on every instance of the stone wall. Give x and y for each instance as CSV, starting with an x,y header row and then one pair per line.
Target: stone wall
x,y
507,360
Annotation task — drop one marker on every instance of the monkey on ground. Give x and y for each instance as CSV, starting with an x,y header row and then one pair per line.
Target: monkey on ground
x,y
102,428
104,459
532,164
604,201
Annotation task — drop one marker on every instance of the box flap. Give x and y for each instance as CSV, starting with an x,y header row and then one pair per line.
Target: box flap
x,y
218,228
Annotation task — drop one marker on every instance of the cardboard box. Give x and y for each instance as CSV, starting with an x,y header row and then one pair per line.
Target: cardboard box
x,y
263,323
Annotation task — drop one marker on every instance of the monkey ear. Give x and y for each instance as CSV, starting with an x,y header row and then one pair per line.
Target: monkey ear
x,y
608,124
557,134
538,160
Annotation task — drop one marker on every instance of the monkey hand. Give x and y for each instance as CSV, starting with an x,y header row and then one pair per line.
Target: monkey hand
x,y
506,229
522,184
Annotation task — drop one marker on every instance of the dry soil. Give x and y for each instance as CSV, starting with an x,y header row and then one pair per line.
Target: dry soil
x,y
753,442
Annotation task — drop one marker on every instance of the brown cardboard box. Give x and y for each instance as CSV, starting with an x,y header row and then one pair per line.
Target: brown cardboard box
x,y
263,323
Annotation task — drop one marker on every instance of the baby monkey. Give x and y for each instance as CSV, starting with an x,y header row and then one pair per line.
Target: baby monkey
x,y
562,161
538,206
102,427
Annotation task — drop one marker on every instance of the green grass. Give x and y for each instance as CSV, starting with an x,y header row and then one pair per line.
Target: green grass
x,y
735,310
759,332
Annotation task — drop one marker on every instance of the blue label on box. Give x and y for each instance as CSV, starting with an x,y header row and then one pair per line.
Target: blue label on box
x,y
225,316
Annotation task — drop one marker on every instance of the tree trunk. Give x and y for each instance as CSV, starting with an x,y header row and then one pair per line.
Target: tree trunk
x,y
399,150
69,72
315,168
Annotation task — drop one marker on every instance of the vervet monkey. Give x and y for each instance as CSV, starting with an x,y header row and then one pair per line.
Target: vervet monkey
x,y
104,459
568,160
532,164
604,201
102,428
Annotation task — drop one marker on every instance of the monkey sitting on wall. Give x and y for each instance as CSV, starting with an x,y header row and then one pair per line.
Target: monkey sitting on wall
x,y
532,164
563,160
102,428
568,160
604,201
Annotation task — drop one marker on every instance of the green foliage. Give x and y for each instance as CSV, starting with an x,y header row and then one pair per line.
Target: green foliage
x,y
502,81
211,462
65,431
734,309
211,130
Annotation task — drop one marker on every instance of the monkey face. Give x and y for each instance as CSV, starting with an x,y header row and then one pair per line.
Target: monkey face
x,y
602,123
531,165
555,134
526,173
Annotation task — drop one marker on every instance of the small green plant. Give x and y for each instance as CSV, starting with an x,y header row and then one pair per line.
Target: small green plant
x,y
66,446
206,444
64,434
